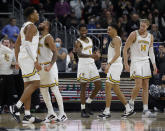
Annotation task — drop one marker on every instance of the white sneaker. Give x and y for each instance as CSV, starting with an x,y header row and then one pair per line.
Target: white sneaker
x,y
62,117
50,118
148,114
131,105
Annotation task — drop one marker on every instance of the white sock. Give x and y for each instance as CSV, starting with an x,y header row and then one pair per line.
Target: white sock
x,y
47,100
27,112
145,107
89,100
19,104
131,101
107,110
82,106
127,107
59,99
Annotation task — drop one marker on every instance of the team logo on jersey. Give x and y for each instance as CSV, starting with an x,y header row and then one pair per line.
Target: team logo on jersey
x,y
6,57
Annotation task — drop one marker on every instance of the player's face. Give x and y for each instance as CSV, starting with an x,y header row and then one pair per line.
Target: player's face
x,y
143,26
83,31
6,43
36,15
110,31
41,26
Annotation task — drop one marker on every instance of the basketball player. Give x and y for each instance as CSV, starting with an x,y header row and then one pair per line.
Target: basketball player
x,y
49,73
113,71
140,43
26,52
87,70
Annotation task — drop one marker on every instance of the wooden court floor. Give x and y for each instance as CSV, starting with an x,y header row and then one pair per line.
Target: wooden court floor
x,y
76,123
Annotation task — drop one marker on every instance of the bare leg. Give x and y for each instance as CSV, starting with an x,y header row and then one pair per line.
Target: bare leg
x,y
119,94
96,89
32,86
108,94
83,90
138,85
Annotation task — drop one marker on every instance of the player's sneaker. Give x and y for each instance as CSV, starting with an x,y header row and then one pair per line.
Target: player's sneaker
x,y
50,118
104,115
128,113
89,108
62,117
131,105
15,113
84,114
148,114
30,119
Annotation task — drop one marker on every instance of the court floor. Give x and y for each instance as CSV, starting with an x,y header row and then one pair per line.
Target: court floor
x,y
76,123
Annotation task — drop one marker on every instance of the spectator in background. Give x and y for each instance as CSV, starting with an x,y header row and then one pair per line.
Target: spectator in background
x,y
8,94
161,59
71,64
62,10
77,6
11,31
133,24
61,56
156,33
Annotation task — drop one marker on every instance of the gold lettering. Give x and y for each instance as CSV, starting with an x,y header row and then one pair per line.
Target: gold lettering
x,y
88,47
143,41
143,47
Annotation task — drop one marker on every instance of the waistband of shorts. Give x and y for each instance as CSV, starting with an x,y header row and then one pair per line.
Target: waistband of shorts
x,y
136,59
45,63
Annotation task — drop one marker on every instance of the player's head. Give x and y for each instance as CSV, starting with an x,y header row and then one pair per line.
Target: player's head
x,y
31,14
144,24
13,21
83,30
44,26
112,30
6,42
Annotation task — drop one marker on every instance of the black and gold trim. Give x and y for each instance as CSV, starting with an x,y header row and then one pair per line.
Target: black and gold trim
x,y
88,80
50,85
141,77
112,80
30,74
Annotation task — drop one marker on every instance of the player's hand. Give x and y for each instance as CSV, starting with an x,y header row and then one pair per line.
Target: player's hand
x,y
127,68
94,56
107,68
37,66
17,66
155,69
48,67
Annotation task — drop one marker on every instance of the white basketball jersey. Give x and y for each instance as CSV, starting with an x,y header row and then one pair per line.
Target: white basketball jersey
x,y
34,43
86,49
140,48
45,53
111,52
6,59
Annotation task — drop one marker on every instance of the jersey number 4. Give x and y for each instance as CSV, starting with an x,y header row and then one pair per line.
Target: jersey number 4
x,y
143,47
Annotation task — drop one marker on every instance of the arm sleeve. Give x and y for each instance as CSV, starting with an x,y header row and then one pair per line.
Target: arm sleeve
x,y
152,55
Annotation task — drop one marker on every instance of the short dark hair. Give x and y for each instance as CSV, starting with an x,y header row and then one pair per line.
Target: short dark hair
x,y
115,26
5,39
28,11
12,18
82,25
70,50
